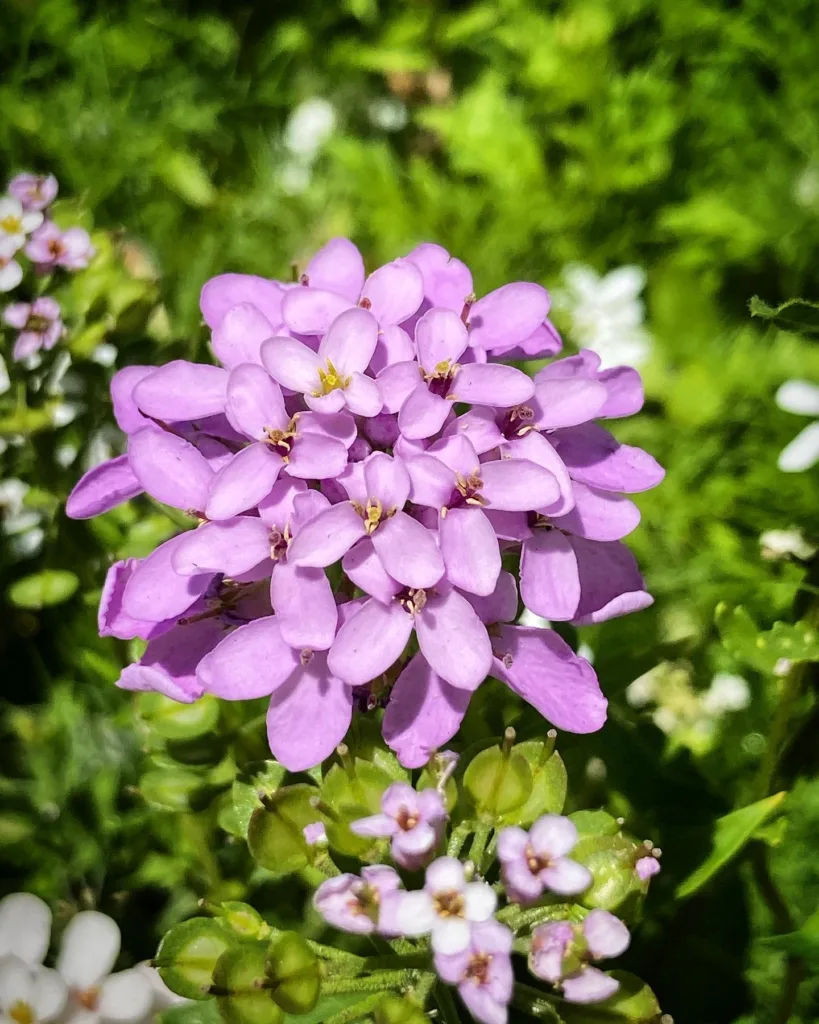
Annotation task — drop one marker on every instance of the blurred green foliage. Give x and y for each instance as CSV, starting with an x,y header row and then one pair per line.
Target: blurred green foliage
x,y
522,135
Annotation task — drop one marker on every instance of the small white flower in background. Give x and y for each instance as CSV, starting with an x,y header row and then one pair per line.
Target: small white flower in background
x,y
806,187
294,178
16,223
390,115
104,354
30,995
308,127
726,693
527,618
18,522
5,380
801,398
779,544
65,412
606,313
11,273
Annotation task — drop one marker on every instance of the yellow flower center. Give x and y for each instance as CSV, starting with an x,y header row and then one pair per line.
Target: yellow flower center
x,y
22,1013
330,380
449,903
372,513
11,225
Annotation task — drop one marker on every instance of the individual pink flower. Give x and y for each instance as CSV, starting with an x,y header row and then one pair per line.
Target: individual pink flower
x,y
414,821
379,487
334,281
363,905
561,953
482,972
647,867
50,246
333,378
447,908
39,325
11,273
535,861
34,191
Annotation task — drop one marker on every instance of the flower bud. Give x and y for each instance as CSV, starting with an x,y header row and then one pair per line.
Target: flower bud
x,y
610,859
275,835
243,991
498,781
293,970
394,1010
188,954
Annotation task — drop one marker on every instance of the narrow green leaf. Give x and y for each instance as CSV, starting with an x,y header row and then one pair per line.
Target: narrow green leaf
x,y
43,589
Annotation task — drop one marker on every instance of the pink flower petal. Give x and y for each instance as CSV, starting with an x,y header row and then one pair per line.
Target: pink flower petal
x,y
517,485
447,281
253,661
394,291
534,447
499,606
254,401
480,427
588,985
156,592
126,413
170,469
363,396
239,336
624,392
441,338
102,488
350,341
387,479
394,346
244,481
278,506
567,402
408,551
549,578
365,569
606,934
327,537
470,550
593,457
423,714
508,315
292,364
610,582
543,670
492,384
370,642
432,481
553,835
312,310
315,456
422,414
304,605
180,390
397,382
232,547
312,696
454,640
222,293
337,267
599,515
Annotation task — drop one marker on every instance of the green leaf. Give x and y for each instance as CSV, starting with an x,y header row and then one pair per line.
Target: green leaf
x,y
188,955
174,721
171,789
594,823
731,833
184,174
205,1012
794,642
797,315
328,1007
43,589
804,943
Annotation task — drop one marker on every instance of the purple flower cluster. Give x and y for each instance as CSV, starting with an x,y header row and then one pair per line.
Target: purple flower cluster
x,y
24,227
362,423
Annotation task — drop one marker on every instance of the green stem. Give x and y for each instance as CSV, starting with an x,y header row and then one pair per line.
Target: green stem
x,y
365,983
331,953
459,836
447,1009
534,1002
478,846
356,1011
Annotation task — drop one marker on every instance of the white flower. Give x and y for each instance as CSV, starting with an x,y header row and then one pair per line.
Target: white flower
x,y
294,178
390,115
16,223
308,128
777,544
5,380
607,313
22,526
89,948
29,994
104,354
446,907
801,398
11,273
25,921
726,693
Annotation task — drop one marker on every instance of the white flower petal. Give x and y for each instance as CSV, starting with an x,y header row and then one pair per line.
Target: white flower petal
x,y
415,914
450,935
799,397
90,947
125,998
480,901
446,873
16,983
803,451
25,924
50,994
11,274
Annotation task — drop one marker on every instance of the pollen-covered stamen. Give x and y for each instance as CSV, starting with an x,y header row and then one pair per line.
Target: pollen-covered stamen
x,y
477,969
282,439
413,600
449,903
518,421
279,542
11,225
306,656
365,303
22,1013
38,324
373,513
407,819
440,379
365,901
467,492
330,380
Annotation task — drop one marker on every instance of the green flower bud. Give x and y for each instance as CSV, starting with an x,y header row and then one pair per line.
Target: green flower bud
x,y
610,858
498,780
293,969
188,955
275,835
242,919
395,1010
549,782
353,790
